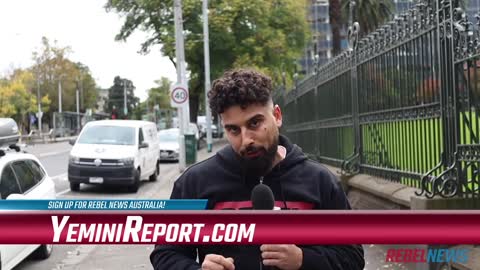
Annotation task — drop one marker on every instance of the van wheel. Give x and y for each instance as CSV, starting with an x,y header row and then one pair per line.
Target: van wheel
x,y
136,184
155,175
43,251
74,186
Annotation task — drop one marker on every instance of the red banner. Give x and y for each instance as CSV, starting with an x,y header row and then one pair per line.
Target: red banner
x,y
240,227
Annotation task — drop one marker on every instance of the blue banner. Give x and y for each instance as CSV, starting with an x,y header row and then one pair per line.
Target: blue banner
x,y
109,204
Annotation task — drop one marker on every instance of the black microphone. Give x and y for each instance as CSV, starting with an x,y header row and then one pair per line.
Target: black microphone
x,y
262,199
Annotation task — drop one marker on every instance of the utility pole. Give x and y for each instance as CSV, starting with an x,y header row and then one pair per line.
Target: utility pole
x,y
125,110
206,48
82,104
78,106
40,113
60,94
183,111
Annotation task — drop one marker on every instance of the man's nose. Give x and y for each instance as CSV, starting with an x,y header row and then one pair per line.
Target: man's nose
x,y
247,137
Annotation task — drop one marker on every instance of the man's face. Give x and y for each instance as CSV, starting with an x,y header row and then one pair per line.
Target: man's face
x,y
253,133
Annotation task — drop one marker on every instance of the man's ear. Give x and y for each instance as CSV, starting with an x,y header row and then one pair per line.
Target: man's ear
x,y
277,113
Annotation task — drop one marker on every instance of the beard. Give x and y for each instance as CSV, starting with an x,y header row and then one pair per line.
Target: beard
x,y
262,161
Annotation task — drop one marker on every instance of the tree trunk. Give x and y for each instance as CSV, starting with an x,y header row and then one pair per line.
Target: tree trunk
x,y
334,13
194,104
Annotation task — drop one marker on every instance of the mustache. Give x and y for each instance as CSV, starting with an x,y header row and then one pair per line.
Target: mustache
x,y
252,149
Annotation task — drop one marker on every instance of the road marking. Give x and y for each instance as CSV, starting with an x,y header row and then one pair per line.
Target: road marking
x,y
76,256
61,176
42,155
62,192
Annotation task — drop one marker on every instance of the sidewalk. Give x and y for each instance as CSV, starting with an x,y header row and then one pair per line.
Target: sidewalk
x,y
46,140
47,149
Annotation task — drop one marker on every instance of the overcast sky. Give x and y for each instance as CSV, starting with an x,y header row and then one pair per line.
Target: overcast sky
x,y
89,30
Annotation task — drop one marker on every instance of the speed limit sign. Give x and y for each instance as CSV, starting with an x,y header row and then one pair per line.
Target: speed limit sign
x,y
178,96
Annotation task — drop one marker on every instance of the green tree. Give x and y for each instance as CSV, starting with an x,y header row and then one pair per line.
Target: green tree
x,y
370,14
51,66
266,34
18,96
335,16
140,110
116,97
160,95
87,87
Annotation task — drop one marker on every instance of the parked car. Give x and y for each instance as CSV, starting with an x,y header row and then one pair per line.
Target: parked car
x,y
22,176
202,123
169,146
9,133
216,133
116,152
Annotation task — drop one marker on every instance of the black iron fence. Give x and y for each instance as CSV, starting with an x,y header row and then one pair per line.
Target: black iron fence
x,y
402,103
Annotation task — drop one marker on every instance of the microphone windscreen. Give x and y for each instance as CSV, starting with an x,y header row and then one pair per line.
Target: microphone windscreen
x,y
262,197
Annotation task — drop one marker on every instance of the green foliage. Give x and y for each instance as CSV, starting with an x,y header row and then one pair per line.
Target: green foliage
x,y
160,95
116,97
140,110
156,96
267,34
370,14
51,66
18,96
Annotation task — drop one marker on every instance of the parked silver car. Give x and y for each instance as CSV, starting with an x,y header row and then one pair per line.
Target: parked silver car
x,y
169,146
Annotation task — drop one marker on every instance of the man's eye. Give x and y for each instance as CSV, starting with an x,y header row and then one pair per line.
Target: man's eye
x,y
254,123
233,130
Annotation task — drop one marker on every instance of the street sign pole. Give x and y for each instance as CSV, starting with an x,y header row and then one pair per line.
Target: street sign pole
x,y
184,110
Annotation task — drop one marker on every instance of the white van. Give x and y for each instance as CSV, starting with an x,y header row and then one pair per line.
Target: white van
x,y
116,152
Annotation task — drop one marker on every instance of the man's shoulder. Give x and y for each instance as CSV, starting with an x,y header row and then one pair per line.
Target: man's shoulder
x,y
322,173
316,166
204,167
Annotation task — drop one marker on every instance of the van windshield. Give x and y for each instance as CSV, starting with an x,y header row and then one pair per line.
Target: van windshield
x,y
108,135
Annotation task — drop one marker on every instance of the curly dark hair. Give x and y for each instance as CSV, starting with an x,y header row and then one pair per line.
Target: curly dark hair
x,y
241,87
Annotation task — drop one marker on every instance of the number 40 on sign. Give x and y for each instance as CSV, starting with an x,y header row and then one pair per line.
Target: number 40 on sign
x,y
178,95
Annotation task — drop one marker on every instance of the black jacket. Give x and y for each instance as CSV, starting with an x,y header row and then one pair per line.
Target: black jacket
x,y
296,182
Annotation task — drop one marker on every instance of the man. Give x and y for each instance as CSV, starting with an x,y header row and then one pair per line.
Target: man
x,y
257,154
